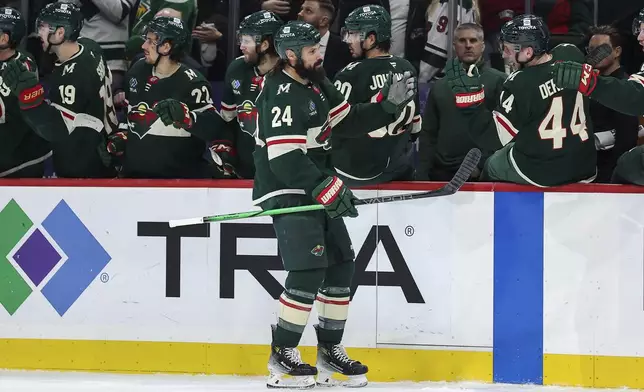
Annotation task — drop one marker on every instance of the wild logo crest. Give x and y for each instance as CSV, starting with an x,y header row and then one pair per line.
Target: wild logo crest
x,y
141,114
247,116
318,250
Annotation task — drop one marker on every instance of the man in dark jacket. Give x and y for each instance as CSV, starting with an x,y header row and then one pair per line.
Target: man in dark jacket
x,y
444,139
615,133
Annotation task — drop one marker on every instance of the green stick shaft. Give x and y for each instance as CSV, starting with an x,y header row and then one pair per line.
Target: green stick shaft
x,y
253,214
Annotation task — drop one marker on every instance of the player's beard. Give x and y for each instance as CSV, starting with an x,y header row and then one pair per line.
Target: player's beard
x,y
315,75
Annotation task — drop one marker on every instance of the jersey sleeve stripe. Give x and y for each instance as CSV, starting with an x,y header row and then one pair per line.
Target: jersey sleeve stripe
x,y
506,131
637,78
339,113
225,106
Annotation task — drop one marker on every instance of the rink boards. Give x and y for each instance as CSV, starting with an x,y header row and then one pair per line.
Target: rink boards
x,y
496,283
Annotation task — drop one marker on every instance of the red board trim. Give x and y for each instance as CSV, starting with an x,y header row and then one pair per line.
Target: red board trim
x,y
401,186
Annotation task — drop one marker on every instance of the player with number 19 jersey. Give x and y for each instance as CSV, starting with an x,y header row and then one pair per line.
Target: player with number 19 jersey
x,y
553,142
377,155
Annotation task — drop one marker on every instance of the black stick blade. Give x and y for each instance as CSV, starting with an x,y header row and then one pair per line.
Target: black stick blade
x,y
464,171
598,54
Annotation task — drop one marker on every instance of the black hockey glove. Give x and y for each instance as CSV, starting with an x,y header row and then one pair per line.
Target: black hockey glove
x,y
336,198
171,111
224,155
396,94
24,84
466,85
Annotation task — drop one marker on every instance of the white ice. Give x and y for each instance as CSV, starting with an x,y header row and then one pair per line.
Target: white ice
x,y
30,381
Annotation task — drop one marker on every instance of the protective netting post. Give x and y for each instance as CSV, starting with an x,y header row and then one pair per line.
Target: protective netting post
x,y
233,23
451,25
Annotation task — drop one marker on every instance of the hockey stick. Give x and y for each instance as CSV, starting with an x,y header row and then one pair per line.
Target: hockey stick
x,y
462,175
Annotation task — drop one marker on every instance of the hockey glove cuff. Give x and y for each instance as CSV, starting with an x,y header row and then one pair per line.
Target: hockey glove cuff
x,y
224,155
466,85
173,112
575,76
116,143
336,198
24,84
397,93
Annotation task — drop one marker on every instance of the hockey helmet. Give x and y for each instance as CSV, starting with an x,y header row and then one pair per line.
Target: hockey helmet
x,y
637,22
171,30
259,25
368,19
11,23
526,31
66,15
295,35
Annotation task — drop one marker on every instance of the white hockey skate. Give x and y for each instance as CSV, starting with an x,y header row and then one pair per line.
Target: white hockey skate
x,y
287,370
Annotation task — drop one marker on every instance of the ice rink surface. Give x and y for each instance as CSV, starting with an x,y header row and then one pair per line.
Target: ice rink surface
x,y
27,381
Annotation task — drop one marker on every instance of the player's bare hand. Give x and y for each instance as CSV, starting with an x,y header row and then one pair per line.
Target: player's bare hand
x,y
281,7
465,82
173,112
206,33
398,92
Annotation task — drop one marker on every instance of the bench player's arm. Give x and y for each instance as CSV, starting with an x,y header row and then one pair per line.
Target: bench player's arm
x,y
622,95
207,123
353,119
114,10
283,122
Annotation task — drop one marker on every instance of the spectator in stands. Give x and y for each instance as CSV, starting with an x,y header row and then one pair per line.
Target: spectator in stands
x,y
335,53
615,133
106,22
408,25
568,20
495,13
444,138
438,14
288,9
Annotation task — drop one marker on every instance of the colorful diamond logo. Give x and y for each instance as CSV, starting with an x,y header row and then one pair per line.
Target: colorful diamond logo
x,y
37,257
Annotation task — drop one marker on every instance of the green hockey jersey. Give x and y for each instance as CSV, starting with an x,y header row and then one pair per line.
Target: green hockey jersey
x,y
380,154
295,123
80,114
241,87
622,95
20,146
550,127
154,150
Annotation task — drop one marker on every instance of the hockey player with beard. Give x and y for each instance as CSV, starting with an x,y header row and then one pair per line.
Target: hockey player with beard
x,y
170,113
80,114
22,152
298,111
242,84
383,154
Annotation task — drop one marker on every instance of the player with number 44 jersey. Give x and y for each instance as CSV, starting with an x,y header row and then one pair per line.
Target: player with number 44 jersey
x,y
541,131
376,155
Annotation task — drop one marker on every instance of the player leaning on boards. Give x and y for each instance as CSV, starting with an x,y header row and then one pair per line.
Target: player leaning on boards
x,y
383,154
622,95
242,83
539,130
170,113
295,118
22,151
80,115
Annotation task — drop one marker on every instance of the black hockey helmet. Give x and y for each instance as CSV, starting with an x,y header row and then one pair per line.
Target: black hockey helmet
x,y
526,31
295,35
637,22
11,23
366,20
171,30
66,15
260,25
